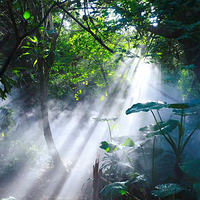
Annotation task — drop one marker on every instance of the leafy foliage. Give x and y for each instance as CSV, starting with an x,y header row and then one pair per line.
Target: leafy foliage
x,y
167,189
114,189
145,107
192,168
129,143
108,147
160,128
164,162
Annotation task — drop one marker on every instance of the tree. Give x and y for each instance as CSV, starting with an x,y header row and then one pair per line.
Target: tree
x,y
31,29
171,20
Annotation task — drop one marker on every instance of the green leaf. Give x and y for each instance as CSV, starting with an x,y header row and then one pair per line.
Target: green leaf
x,y
196,187
26,15
181,105
129,143
34,39
108,147
192,66
11,81
167,189
154,129
186,112
6,84
35,62
192,168
145,107
114,189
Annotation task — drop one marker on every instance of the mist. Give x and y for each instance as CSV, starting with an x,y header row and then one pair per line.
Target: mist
x,y
78,134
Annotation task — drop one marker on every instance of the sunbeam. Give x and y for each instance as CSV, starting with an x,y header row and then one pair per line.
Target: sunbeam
x,y
79,132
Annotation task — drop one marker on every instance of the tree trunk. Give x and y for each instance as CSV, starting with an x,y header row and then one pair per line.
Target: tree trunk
x,y
43,81
105,78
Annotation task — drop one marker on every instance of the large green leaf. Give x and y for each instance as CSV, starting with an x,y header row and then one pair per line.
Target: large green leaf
x,y
196,187
147,151
154,129
167,189
181,105
185,112
114,189
192,168
145,107
129,143
108,147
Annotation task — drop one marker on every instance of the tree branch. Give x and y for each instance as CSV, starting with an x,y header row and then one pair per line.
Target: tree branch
x,y
87,29
19,39
13,20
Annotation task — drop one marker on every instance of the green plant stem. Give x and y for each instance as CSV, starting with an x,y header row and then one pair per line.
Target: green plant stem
x,y
170,140
109,130
180,132
188,138
144,156
159,116
153,157
129,160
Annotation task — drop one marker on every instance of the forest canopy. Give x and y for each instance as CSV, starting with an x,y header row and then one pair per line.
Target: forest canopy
x,y
76,51
77,32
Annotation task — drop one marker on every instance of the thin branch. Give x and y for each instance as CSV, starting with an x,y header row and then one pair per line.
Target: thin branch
x,y
41,22
61,24
44,18
9,58
88,30
21,38
13,21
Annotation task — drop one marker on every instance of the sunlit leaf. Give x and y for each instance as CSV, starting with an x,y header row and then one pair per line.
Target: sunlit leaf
x,y
114,189
102,98
167,189
26,15
35,62
24,54
192,168
34,39
108,147
162,127
25,47
129,143
145,107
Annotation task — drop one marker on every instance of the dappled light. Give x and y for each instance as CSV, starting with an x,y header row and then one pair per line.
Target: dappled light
x,y
99,100
78,133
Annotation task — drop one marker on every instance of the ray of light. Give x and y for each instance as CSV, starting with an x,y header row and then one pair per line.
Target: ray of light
x,y
78,136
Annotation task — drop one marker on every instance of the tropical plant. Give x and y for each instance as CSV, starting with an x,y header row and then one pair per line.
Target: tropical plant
x,y
177,141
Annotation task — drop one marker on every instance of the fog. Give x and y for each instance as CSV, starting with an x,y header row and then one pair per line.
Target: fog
x,y
78,133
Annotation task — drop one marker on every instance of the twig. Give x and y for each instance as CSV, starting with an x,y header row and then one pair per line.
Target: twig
x,y
87,29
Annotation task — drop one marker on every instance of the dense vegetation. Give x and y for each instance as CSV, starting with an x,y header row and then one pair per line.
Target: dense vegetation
x,y
70,50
